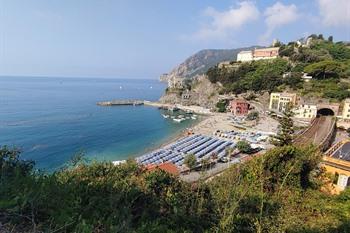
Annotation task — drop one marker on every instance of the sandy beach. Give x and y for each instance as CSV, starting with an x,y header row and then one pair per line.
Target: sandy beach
x,y
216,121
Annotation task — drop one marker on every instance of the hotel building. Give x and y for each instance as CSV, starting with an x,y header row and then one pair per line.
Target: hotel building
x,y
279,101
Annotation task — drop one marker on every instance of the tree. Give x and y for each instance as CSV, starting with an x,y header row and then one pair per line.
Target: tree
x,y
285,134
221,105
324,69
294,81
243,146
190,161
330,38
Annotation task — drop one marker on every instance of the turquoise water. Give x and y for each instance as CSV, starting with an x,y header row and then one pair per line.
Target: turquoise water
x,y
50,119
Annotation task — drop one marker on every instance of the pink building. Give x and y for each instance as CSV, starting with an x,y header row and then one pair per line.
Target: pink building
x,y
239,107
265,53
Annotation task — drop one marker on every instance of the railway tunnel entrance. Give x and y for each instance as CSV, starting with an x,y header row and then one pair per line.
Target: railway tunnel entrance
x,y
325,112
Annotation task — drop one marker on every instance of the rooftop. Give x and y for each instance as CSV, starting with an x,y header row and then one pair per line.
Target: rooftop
x,y
284,94
167,167
343,152
245,51
267,49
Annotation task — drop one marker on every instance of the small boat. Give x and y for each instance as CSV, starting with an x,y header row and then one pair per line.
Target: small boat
x,y
165,116
178,120
193,118
181,116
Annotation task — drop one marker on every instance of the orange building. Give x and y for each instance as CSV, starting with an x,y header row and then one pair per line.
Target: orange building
x,y
239,107
167,167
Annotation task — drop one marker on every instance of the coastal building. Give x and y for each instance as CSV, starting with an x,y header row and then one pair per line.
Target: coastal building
x,y
167,167
189,97
279,101
239,107
346,110
265,53
305,111
258,54
244,56
344,115
337,162
306,77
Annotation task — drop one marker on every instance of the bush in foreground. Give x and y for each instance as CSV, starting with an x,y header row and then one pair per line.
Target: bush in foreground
x,y
276,192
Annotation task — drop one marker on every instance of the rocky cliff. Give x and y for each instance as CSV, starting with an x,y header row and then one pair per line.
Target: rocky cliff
x,y
203,93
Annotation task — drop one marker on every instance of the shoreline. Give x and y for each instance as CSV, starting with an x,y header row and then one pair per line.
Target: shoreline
x,y
191,108
170,139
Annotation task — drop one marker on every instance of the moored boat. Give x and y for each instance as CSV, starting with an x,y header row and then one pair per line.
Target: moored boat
x,y
179,119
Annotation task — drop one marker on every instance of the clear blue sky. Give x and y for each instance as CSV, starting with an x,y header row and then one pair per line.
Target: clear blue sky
x,y
142,39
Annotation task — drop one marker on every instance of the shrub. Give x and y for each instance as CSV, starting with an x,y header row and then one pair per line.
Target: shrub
x,y
243,146
253,116
190,161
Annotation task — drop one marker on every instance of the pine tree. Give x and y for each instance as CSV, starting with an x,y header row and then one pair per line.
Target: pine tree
x,y
285,135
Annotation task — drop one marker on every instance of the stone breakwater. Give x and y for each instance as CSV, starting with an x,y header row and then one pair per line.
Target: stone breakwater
x,y
192,108
120,102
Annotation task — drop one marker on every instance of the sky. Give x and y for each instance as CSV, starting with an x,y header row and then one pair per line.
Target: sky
x,y
143,39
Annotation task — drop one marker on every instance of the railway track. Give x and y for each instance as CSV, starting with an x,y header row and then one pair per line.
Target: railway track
x,y
317,133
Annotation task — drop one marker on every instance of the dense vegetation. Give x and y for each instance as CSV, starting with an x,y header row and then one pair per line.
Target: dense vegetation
x,y
276,192
326,61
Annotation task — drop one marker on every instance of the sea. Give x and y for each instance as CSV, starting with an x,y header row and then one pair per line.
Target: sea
x,y
50,119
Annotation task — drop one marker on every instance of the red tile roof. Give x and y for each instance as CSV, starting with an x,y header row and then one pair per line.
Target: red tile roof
x,y
167,167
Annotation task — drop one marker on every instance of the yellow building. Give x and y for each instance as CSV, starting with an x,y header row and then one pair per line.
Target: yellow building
x,y
279,101
346,110
337,162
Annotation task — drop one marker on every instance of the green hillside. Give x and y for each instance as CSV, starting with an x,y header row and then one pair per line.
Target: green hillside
x,y
326,61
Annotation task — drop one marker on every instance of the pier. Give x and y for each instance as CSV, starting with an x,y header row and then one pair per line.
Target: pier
x,y
172,107
121,102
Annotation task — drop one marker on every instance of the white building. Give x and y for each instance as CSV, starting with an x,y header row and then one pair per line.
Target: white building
x,y
305,111
306,77
245,56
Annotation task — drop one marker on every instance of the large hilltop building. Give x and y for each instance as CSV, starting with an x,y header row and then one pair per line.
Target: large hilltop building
x,y
258,54
245,56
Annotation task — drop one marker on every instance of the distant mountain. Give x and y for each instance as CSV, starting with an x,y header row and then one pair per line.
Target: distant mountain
x,y
200,62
